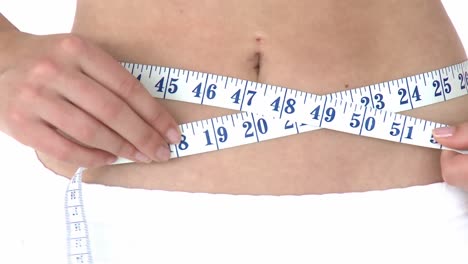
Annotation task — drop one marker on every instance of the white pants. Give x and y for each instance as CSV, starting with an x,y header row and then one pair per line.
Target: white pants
x,y
424,224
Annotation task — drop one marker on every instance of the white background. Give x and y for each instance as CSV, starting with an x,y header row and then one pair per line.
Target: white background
x,y
56,16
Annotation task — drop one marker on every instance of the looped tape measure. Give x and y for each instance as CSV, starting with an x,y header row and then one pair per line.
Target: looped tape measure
x,y
269,112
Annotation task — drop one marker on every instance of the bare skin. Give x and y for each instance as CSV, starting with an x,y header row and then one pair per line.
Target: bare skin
x,y
315,46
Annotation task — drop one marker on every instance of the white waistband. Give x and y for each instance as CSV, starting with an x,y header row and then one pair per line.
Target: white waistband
x,y
416,224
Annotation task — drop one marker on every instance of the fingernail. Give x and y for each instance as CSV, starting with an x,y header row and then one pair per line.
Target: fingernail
x,y
173,135
111,160
142,157
443,132
163,153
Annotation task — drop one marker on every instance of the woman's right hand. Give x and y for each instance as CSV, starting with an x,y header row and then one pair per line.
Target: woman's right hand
x,y
70,100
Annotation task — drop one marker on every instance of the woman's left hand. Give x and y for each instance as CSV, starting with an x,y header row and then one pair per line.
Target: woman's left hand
x,y
454,165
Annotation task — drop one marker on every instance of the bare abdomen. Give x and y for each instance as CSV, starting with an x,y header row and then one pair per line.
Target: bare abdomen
x,y
314,46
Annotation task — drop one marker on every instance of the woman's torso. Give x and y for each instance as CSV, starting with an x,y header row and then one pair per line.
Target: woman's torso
x,y
319,46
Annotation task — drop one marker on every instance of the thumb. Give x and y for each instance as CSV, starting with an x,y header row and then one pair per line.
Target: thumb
x,y
455,137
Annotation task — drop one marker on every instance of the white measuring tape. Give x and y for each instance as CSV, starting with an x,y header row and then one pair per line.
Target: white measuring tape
x,y
269,112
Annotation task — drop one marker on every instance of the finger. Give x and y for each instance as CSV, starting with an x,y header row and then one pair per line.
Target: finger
x,y
80,126
114,113
105,70
455,137
454,168
50,142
